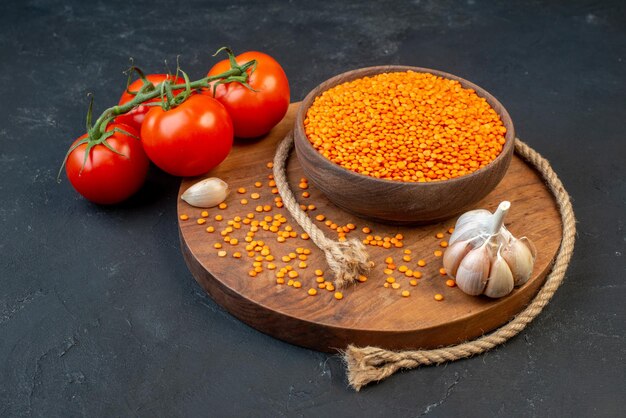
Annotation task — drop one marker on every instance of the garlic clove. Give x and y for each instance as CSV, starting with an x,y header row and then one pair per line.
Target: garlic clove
x,y
453,256
500,281
206,193
471,277
520,256
505,236
530,245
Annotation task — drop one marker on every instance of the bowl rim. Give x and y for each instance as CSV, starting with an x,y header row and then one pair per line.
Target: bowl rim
x,y
363,72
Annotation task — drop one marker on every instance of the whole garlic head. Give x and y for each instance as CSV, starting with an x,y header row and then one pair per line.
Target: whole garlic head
x,y
484,257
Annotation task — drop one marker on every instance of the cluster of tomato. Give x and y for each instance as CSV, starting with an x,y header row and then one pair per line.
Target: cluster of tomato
x,y
187,140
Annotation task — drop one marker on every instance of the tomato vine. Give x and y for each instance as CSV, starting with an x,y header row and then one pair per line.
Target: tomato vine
x,y
97,133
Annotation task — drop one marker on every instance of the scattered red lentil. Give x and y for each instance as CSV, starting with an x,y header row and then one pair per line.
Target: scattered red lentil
x,y
277,224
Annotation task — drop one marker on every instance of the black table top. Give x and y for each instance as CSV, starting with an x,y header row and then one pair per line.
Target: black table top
x,y
99,315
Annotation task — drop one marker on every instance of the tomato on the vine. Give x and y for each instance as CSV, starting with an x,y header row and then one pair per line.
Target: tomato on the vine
x,y
135,117
254,113
107,176
189,139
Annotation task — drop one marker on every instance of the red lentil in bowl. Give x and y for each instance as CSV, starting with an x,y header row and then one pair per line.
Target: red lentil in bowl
x,y
406,126
366,158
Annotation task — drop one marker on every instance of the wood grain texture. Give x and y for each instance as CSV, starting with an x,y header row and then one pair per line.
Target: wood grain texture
x,y
369,314
394,201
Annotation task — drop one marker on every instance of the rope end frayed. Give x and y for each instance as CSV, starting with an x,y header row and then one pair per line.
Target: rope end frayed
x,y
348,260
365,365
354,361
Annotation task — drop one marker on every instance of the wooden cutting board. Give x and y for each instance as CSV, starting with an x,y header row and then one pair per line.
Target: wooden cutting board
x,y
369,313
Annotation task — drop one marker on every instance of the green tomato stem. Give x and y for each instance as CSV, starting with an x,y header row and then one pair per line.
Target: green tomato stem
x,y
237,73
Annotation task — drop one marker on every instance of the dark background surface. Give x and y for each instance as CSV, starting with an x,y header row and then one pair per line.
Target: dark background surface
x,y
99,315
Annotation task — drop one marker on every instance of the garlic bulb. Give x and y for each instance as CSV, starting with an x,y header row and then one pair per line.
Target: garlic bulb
x,y
484,257
206,193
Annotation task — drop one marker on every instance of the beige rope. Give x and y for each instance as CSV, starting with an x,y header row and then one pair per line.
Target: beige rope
x,y
347,259
368,364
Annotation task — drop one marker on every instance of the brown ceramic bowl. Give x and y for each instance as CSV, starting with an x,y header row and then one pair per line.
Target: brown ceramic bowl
x,y
395,201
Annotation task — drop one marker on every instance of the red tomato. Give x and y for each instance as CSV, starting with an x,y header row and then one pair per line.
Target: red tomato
x,y
190,139
135,117
254,113
107,177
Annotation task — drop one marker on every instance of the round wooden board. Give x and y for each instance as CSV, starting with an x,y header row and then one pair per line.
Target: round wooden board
x,y
369,314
